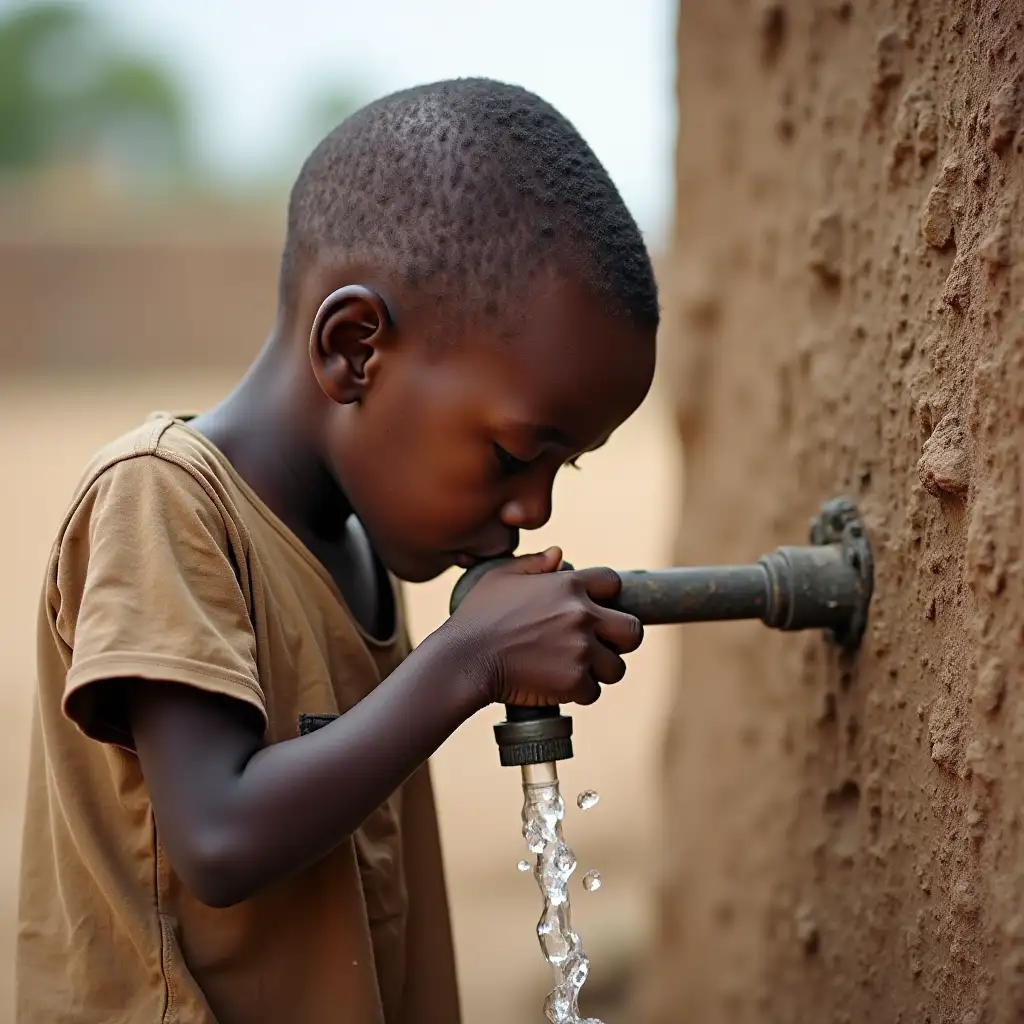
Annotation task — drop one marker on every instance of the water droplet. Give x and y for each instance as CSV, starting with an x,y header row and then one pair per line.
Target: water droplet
x,y
523,865
592,880
587,799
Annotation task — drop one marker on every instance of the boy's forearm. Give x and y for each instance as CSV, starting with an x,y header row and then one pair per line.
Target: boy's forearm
x,y
235,829
320,788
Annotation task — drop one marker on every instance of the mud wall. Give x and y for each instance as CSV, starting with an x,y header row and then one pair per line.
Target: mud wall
x,y
846,316
142,299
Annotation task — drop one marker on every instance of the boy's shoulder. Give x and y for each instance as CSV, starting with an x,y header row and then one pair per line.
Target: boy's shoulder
x,y
160,434
149,449
158,457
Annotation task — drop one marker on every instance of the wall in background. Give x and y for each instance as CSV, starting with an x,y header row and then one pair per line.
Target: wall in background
x,y
845,307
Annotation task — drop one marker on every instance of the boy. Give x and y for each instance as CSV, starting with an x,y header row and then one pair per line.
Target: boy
x,y
230,815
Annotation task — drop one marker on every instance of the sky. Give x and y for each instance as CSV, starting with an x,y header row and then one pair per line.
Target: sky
x,y
251,65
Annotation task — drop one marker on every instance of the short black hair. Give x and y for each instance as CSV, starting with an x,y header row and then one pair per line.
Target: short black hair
x,y
467,188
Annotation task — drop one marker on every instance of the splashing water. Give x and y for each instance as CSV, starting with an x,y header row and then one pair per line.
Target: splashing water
x,y
587,799
592,881
523,865
543,811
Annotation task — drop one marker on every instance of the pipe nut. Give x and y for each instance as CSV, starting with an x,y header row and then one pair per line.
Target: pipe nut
x,y
534,741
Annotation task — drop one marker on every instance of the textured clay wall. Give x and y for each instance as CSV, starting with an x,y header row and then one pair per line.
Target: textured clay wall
x,y
846,316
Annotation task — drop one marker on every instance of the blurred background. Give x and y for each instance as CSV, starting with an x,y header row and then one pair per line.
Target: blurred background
x,y
146,150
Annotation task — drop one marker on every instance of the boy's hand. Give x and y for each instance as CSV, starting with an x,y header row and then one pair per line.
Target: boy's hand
x,y
545,635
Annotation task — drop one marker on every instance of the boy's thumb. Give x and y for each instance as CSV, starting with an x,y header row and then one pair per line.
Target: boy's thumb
x,y
522,565
541,561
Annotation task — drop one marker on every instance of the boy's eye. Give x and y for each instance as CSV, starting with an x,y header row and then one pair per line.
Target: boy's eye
x,y
508,462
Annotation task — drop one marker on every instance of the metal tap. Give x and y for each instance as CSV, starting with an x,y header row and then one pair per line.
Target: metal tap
x,y
826,585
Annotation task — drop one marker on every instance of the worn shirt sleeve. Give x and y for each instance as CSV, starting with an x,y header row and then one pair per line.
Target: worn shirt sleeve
x,y
431,992
151,583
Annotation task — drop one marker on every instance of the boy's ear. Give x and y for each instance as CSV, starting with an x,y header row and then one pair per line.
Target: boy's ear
x,y
347,332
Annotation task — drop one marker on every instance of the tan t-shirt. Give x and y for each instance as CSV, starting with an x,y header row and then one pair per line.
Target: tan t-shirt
x,y
169,567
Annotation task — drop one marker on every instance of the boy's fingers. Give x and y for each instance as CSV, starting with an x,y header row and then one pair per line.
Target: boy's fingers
x,y
587,692
623,633
601,583
608,667
541,561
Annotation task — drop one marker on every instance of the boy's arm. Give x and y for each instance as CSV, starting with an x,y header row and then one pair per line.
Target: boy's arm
x,y
149,595
236,817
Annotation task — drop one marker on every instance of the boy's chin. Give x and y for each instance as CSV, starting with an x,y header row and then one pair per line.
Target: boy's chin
x,y
418,568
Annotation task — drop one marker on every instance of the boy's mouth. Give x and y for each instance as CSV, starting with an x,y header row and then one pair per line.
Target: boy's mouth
x,y
467,559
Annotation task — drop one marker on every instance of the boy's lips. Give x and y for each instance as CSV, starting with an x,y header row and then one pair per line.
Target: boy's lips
x,y
467,559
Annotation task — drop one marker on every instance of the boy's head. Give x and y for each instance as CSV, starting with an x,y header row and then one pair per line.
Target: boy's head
x,y
479,308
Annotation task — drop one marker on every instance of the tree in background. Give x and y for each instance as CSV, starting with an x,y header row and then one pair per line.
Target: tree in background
x,y
323,110
327,108
69,94
72,97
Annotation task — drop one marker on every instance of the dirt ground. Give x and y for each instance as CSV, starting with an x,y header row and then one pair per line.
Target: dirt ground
x,y
618,511
846,316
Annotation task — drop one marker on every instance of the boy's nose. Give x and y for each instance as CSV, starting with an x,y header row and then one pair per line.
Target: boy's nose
x,y
528,511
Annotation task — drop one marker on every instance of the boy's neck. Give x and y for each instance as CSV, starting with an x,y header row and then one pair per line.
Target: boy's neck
x,y
267,428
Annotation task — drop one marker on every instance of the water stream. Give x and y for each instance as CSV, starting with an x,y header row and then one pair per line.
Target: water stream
x,y
543,811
